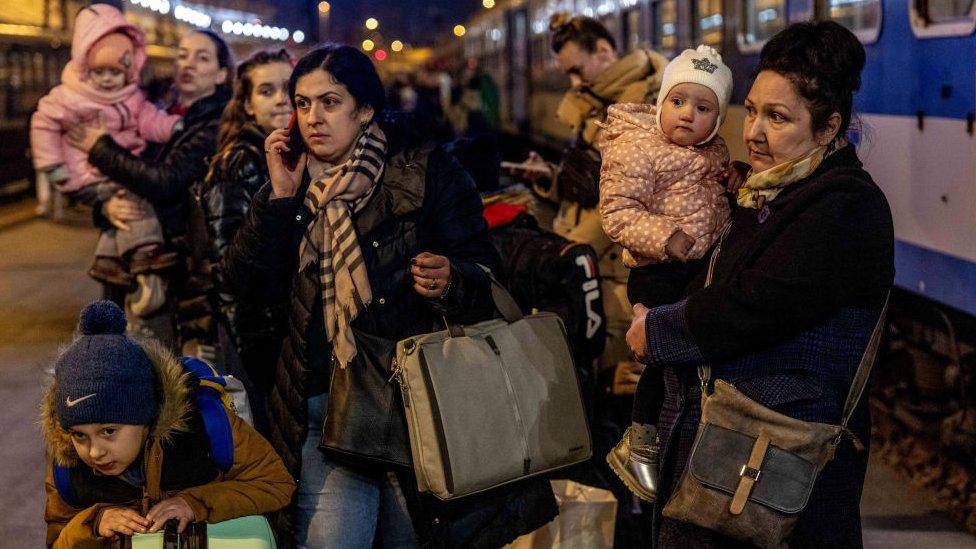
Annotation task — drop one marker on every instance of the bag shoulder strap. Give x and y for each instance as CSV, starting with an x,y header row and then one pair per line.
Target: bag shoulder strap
x,y
213,404
863,372
705,370
62,483
861,375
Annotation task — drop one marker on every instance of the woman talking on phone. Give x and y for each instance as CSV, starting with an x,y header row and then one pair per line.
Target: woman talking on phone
x,y
367,238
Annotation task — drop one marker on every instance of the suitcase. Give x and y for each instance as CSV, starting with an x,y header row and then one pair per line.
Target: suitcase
x,y
250,532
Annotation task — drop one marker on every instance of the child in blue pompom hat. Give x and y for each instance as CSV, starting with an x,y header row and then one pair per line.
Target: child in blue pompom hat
x,y
129,447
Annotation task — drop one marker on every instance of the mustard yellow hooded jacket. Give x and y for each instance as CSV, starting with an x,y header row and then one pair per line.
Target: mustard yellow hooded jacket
x,y
175,463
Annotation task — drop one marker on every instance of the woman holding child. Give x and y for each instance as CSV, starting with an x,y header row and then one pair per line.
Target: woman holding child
x,y
204,71
798,285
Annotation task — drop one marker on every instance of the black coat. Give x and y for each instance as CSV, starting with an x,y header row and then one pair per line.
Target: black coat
x,y
236,175
425,202
167,180
171,184
786,320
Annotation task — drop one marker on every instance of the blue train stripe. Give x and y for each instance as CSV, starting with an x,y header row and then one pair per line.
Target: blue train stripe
x,y
903,74
935,275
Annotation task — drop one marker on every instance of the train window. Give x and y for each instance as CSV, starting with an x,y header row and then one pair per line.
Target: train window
x,y
612,23
39,78
632,26
665,16
759,20
933,18
863,17
540,53
709,30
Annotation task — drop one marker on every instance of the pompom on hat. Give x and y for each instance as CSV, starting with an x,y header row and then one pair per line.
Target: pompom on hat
x,y
699,66
104,376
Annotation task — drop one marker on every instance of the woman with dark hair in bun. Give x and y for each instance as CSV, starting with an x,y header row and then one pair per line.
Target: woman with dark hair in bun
x,y
366,238
799,283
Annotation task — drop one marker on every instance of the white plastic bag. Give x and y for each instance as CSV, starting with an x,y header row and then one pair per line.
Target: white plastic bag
x,y
238,397
586,520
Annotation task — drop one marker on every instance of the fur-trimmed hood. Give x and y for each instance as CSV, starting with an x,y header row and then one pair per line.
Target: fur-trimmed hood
x,y
172,386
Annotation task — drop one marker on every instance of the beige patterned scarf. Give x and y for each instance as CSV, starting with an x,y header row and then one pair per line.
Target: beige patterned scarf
x,y
333,195
764,186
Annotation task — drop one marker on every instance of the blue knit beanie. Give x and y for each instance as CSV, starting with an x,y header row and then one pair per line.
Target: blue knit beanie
x,y
104,377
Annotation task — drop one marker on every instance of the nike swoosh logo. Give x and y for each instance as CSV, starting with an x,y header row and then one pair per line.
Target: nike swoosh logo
x,y
71,403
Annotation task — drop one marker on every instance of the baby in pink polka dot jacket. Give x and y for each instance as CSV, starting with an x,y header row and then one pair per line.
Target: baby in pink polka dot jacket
x,y
662,197
664,166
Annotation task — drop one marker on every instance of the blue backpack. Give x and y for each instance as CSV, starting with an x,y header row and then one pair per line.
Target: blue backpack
x,y
213,403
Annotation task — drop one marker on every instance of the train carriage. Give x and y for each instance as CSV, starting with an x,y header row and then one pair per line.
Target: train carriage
x,y
916,104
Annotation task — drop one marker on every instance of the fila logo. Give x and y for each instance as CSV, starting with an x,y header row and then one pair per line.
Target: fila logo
x,y
591,289
71,403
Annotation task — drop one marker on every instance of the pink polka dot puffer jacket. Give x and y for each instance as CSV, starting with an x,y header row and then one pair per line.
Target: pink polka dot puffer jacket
x,y
650,188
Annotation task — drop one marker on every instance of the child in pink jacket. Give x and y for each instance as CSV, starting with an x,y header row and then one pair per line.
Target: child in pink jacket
x,y
662,197
101,80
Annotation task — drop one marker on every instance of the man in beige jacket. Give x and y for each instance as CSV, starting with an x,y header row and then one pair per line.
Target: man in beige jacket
x,y
600,77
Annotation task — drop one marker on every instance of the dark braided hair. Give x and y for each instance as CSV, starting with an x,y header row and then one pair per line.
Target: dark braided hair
x,y
583,30
823,61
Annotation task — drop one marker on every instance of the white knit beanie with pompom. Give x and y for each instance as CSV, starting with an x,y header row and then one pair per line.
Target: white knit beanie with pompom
x,y
699,66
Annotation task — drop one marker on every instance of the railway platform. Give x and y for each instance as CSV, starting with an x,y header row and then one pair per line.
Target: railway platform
x,y
43,285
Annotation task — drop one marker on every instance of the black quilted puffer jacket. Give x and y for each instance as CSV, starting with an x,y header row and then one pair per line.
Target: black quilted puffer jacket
x,y
236,174
425,202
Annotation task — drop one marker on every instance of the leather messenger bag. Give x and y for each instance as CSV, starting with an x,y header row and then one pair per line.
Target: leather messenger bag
x,y
491,403
752,469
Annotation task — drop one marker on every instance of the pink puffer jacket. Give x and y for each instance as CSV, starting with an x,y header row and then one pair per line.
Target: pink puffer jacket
x,y
128,116
651,188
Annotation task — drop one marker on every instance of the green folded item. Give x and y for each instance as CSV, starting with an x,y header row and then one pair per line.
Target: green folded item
x,y
250,532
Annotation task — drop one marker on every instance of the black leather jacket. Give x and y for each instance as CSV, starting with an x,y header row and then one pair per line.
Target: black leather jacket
x,y
167,180
236,174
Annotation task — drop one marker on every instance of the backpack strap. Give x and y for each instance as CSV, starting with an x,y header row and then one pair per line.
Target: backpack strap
x,y
212,402
62,482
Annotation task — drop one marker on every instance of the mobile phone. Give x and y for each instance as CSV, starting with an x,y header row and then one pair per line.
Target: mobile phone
x,y
295,144
523,166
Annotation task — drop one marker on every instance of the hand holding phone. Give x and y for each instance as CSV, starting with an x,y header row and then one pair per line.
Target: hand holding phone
x,y
533,167
295,144
286,159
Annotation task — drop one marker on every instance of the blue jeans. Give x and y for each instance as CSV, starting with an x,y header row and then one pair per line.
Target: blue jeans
x,y
338,506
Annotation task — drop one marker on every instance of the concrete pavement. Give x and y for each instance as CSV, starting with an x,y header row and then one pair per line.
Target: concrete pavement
x,y
43,286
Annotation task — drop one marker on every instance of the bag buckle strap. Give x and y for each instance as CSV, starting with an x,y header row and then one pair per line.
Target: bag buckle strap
x,y
858,445
749,474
